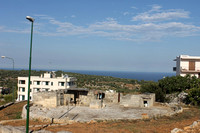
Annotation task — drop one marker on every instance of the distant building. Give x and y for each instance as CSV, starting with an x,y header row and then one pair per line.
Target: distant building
x,y
46,82
186,64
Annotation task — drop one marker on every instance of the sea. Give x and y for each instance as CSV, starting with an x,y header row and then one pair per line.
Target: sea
x,y
147,76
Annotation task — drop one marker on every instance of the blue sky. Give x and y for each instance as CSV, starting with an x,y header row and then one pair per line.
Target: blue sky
x,y
111,35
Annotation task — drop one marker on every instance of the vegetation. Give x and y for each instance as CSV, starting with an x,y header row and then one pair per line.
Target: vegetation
x,y
194,96
168,85
8,79
104,82
175,84
12,112
153,87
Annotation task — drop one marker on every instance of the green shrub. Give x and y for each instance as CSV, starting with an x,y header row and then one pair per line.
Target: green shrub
x,y
193,96
8,98
153,87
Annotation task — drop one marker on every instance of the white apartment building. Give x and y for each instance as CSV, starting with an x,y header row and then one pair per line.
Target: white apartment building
x,y
186,64
46,82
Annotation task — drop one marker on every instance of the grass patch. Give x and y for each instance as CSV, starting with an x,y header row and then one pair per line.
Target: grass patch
x,y
18,115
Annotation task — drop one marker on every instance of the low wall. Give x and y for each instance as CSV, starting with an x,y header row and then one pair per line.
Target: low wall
x,y
6,105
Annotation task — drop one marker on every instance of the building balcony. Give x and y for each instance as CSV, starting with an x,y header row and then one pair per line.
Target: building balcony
x,y
184,70
71,79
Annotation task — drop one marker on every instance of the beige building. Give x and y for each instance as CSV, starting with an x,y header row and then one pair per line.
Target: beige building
x,y
186,64
46,82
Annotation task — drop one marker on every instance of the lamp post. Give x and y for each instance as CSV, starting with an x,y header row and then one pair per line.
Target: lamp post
x,y
13,70
29,76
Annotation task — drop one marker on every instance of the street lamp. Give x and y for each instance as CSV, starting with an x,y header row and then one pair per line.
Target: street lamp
x,y
10,59
13,70
29,76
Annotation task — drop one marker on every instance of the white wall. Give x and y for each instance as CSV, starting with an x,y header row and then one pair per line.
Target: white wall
x,y
43,86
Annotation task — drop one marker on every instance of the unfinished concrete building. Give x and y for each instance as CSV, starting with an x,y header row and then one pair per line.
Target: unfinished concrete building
x,y
92,98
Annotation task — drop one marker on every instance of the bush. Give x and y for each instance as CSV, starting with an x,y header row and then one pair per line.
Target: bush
x,y
8,98
178,83
193,96
153,87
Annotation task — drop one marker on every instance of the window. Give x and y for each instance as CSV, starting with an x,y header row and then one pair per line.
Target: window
x,y
22,82
30,90
36,89
23,89
30,97
23,97
61,83
51,83
38,82
46,83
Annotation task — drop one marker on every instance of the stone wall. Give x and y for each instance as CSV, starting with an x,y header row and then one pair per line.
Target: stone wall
x,y
111,97
46,99
84,98
140,100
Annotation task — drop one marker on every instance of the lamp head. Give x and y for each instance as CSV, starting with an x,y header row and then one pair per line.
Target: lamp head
x,y
3,56
30,18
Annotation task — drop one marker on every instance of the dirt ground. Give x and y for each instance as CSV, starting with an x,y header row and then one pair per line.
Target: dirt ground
x,y
156,125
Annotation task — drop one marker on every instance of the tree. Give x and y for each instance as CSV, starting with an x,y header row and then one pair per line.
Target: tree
x,y
153,87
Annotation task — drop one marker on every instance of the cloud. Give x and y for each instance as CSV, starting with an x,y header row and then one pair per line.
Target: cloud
x,y
144,32
156,25
155,8
73,16
126,13
133,7
156,14
15,30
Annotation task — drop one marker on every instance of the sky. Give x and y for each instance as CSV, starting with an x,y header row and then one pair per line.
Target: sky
x,y
107,35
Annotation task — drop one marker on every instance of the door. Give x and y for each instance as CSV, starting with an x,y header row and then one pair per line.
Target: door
x,y
191,65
